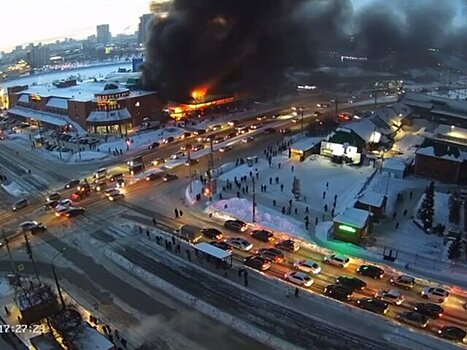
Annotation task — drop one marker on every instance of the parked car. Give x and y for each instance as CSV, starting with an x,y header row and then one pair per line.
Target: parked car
x,y
453,333
371,271
236,225
169,177
436,294
21,204
308,266
429,309
300,278
271,254
257,263
392,296
262,235
72,184
288,245
404,281
32,226
415,319
212,233
55,196
338,291
154,145
352,283
239,243
153,176
374,305
221,245
337,260
74,211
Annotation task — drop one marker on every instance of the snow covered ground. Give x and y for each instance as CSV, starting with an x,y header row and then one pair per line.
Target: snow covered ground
x,y
13,189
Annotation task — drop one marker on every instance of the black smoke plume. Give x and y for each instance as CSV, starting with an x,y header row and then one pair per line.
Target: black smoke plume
x,y
224,45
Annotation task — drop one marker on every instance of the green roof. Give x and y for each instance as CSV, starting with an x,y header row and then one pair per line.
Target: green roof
x,y
350,137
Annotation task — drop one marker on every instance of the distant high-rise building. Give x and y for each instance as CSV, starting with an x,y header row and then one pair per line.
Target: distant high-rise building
x,y
38,56
103,34
143,27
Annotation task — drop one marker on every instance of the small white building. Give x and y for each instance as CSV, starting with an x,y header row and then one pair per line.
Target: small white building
x,y
352,226
397,166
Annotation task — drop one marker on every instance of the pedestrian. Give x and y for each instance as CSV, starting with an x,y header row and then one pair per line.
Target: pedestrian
x,y
282,187
245,278
327,184
326,208
293,168
147,233
394,215
324,194
243,190
176,213
306,225
279,165
410,195
290,202
257,175
154,221
264,188
283,210
173,240
397,225
296,292
246,188
277,180
238,194
332,212
181,212
307,211
405,212
273,202
316,221
335,197
296,211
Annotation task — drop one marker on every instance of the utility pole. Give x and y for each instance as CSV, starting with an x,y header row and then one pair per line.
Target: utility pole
x,y
211,164
254,201
54,272
29,251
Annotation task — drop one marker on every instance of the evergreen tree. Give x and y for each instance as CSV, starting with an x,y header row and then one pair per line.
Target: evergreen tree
x,y
426,211
296,187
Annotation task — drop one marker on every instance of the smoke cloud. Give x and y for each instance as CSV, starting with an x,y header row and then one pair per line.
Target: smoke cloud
x,y
232,45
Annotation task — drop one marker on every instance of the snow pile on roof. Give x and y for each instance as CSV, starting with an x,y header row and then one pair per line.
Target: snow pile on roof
x,y
24,98
453,133
56,102
408,143
353,217
430,152
44,117
396,163
401,109
372,198
109,116
306,144
364,129
87,338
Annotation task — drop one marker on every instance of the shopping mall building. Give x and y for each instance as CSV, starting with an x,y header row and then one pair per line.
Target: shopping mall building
x,y
93,107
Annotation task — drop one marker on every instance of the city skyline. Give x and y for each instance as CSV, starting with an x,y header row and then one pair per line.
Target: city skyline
x,y
40,24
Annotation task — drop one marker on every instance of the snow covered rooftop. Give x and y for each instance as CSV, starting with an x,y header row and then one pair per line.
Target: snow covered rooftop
x,y
373,199
24,98
396,163
453,133
56,102
213,251
79,92
364,128
450,113
354,217
430,152
109,116
306,144
44,117
87,338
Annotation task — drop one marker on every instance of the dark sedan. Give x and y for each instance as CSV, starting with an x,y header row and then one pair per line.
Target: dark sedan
x,y
338,292
212,233
221,245
429,309
262,235
352,283
373,305
371,271
452,333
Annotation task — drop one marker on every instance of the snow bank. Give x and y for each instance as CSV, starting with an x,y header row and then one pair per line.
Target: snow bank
x,y
88,156
197,188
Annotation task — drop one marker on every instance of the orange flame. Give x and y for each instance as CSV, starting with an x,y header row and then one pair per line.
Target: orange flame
x,y
199,93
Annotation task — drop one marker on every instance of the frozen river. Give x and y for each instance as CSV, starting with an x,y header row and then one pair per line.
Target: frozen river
x,y
96,71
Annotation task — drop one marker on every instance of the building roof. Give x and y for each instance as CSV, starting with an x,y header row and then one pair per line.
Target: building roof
x,y
396,163
87,338
364,129
449,113
212,251
451,133
80,92
24,98
117,115
342,136
306,143
56,102
372,199
48,118
353,217
447,152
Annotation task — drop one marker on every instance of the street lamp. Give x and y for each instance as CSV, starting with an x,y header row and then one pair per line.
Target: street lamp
x,y
62,301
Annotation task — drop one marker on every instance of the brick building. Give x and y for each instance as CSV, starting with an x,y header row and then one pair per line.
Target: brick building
x,y
94,107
